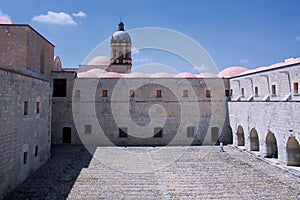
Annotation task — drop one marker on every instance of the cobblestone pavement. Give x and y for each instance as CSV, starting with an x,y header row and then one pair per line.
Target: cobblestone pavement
x,y
198,173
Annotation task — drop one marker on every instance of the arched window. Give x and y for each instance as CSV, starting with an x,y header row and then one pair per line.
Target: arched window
x,y
254,141
240,136
293,152
42,61
271,143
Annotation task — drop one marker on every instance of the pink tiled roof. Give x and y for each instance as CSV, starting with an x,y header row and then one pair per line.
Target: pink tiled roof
x,y
232,71
162,75
185,75
5,20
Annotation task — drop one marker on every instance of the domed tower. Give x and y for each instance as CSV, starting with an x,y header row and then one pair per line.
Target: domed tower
x,y
120,45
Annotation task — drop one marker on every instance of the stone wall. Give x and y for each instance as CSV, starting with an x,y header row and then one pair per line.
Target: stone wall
x,y
267,112
22,48
23,129
140,114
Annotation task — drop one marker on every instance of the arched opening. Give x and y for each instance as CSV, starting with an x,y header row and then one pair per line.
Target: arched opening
x,y
254,140
228,137
66,135
42,61
215,135
271,143
240,136
293,152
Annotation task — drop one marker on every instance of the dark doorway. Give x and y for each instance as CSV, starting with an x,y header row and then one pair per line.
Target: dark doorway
x,y
271,143
66,136
293,152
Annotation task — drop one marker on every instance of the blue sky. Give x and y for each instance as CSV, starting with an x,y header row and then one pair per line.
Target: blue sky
x,y
234,32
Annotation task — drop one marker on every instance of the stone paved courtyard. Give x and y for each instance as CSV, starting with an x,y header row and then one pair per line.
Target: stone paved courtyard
x,y
157,173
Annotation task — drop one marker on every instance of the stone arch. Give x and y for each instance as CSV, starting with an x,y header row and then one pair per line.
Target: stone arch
x,y
66,135
254,140
240,136
293,152
271,144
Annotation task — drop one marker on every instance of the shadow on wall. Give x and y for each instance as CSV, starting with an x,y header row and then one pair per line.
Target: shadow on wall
x,y
55,179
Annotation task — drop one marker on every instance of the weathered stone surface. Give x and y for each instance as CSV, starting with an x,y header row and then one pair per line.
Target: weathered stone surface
x,y
199,173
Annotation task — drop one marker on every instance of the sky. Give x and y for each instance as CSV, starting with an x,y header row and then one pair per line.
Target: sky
x,y
233,32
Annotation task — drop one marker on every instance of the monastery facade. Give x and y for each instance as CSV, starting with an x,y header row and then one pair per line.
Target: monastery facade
x,y
104,103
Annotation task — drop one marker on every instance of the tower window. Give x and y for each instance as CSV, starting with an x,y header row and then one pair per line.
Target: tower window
x,y
231,92
296,90
273,89
207,93
256,91
131,93
185,93
25,107
158,93
243,91
59,87
104,93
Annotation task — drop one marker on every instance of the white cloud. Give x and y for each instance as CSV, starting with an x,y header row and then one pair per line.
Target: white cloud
x,y
134,51
2,14
244,61
201,68
80,14
141,60
59,18
298,38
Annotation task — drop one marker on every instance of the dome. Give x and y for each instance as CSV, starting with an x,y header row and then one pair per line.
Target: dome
x,y
232,71
161,75
185,75
136,75
5,20
99,60
206,75
121,36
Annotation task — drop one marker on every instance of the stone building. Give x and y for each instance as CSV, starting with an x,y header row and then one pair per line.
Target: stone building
x,y
264,111
104,103
26,59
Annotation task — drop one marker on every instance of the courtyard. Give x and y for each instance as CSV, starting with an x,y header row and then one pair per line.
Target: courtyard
x,y
197,172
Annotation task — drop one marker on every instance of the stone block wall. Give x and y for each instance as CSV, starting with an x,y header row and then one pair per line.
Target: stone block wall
x,y
25,136
24,48
265,112
142,113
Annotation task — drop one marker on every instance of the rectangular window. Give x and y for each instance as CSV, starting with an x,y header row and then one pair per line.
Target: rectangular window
x,y
59,87
185,93
227,93
38,107
36,151
243,92
77,93
131,93
104,93
25,158
256,91
87,128
296,90
158,132
25,107
191,132
207,93
273,89
158,93
231,92
123,133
